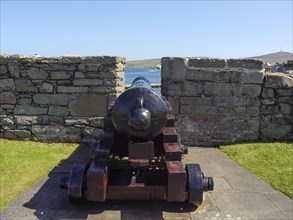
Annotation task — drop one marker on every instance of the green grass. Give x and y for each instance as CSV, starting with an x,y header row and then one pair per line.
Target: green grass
x,y
272,162
143,63
23,163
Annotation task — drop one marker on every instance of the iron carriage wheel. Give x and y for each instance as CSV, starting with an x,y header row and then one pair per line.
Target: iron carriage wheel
x,y
76,183
195,184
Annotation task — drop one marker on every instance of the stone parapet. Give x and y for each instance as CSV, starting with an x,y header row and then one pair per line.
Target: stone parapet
x,y
219,101
277,107
60,99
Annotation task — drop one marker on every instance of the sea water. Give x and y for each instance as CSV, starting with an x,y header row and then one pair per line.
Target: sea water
x,y
151,74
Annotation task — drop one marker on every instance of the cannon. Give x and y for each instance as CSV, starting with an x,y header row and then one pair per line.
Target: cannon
x,y
139,156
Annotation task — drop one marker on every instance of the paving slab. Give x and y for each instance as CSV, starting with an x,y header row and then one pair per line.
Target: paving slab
x,y
238,194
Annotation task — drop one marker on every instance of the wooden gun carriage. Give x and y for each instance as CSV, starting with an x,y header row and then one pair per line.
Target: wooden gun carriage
x,y
139,155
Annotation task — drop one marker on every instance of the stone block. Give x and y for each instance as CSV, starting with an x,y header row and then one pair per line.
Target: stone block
x,y
51,99
93,67
87,82
229,75
196,101
284,92
255,102
107,60
278,81
120,67
173,68
172,88
26,120
113,82
201,74
81,67
267,93
23,85
247,111
79,75
37,81
29,110
88,105
46,88
218,89
247,136
91,132
13,68
3,112
7,106
3,69
72,89
54,129
251,90
221,136
199,111
192,88
252,125
7,121
102,75
59,75
271,109
252,77
37,73
229,102
285,108
58,110
206,62
267,102
7,84
21,133
64,82
288,100
50,120
120,75
106,90
282,119
9,135
65,67
275,131
96,122
25,101
225,112
7,98
174,102
236,89
78,121
245,63
105,68
56,133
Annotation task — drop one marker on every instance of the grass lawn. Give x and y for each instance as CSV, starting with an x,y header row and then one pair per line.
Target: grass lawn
x,y
272,162
23,163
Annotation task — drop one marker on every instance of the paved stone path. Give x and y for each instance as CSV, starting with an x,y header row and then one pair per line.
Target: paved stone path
x,y
237,195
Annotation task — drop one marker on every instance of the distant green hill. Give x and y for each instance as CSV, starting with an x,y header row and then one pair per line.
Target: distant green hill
x,y
143,63
273,58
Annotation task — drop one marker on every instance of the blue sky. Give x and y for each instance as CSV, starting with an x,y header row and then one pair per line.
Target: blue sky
x,y
146,29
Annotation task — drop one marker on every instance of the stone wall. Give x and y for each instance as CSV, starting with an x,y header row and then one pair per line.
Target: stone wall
x,y
57,99
219,101
276,110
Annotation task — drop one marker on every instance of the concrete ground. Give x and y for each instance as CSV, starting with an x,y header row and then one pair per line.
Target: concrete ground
x,y
237,195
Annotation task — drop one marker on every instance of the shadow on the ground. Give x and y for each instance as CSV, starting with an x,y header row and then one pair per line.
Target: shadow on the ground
x,y
50,201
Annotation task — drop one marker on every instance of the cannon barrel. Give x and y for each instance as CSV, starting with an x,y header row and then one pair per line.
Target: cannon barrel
x,y
139,113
